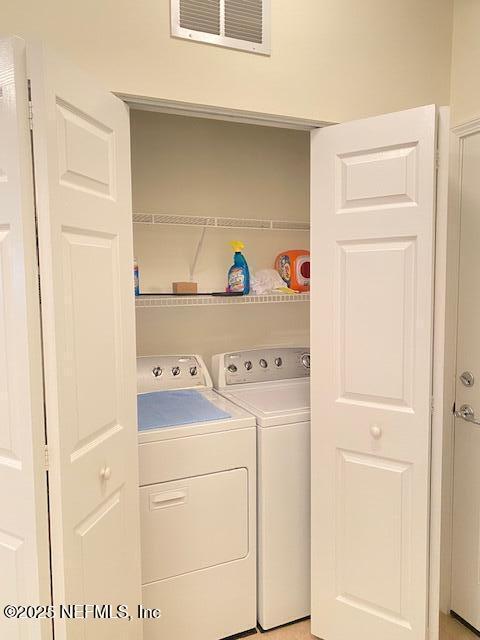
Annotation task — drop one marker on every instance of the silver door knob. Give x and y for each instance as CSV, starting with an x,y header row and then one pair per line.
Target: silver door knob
x,y
105,473
466,412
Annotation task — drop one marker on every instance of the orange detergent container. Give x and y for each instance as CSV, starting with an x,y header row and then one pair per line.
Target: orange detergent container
x,y
294,268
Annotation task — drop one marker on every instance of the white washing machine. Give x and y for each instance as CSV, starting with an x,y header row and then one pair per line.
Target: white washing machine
x,y
197,455
274,385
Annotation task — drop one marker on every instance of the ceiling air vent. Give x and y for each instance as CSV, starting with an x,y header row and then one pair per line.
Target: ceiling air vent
x,y
238,24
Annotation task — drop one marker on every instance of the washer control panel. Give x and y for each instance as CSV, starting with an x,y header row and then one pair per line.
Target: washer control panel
x,y
261,365
162,373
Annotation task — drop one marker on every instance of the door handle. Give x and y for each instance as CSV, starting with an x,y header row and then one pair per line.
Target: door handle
x,y
168,499
466,413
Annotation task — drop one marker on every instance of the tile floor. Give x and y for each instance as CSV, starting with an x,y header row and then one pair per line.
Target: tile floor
x,y
450,629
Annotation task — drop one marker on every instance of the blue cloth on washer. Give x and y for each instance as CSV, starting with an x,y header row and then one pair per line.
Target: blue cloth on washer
x,y
170,408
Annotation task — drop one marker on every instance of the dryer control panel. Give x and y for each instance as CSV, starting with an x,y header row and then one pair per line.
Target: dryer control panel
x,y
163,373
261,365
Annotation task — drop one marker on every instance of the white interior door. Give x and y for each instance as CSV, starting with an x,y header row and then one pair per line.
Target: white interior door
x,y
83,187
466,501
24,557
373,217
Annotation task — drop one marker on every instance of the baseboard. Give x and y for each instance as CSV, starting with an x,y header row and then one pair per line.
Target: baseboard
x,y
280,626
465,623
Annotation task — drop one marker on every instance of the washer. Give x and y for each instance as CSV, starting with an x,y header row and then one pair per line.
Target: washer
x,y
274,385
197,455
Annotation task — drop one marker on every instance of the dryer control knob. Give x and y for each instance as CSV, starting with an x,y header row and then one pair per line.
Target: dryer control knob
x,y
176,371
278,362
248,365
232,368
263,363
193,371
306,360
157,371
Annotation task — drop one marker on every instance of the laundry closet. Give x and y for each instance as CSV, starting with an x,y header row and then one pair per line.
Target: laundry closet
x,y
375,235
197,184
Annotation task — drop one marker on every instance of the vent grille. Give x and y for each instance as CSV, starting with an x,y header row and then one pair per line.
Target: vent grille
x,y
200,15
238,24
244,20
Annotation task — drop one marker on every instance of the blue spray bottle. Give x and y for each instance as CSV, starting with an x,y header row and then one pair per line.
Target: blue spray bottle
x,y
238,274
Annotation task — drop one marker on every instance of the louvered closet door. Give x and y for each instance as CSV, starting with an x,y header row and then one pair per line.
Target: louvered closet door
x,y
373,218
24,554
83,184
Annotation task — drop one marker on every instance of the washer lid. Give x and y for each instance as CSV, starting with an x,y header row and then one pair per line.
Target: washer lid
x,y
275,403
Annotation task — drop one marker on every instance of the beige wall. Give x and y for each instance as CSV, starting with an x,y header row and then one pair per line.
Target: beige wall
x,y
184,165
466,61
206,167
209,330
331,59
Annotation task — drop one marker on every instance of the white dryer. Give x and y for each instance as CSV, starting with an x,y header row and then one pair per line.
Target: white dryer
x,y
197,455
274,385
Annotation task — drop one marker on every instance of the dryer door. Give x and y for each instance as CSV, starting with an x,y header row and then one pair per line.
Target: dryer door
x,y
192,524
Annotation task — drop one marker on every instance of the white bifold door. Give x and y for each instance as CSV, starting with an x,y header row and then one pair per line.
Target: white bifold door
x,y
24,554
373,223
81,169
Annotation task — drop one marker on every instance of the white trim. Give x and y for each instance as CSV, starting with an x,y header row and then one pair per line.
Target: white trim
x,y
467,128
457,139
442,389
175,107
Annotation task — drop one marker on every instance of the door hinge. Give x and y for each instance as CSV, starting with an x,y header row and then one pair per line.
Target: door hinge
x,y
30,107
47,459
432,404
437,159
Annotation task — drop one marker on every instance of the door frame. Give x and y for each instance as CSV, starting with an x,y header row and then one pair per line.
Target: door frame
x,y
444,321
457,137
175,107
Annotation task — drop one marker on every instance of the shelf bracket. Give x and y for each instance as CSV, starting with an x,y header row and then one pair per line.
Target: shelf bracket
x,y
197,253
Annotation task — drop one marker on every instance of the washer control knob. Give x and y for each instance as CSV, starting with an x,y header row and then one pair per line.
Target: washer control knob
x,y
176,371
232,368
278,362
306,360
263,363
193,371
157,371
248,365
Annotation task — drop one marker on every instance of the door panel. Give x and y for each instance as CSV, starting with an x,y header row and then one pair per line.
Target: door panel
x,y
466,498
372,576
82,156
376,282
24,568
373,216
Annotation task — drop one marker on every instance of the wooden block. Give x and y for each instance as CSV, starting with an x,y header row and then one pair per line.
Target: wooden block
x,y
184,287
